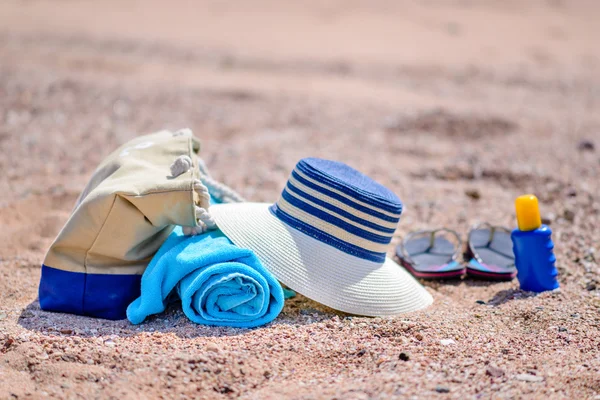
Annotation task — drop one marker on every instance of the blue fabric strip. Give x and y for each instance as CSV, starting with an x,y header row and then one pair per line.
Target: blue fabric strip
x,y
344,199
94,295
324,216
337,175
327,238
339,211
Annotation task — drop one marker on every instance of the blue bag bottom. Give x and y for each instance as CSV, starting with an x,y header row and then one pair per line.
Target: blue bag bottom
x,y
93,295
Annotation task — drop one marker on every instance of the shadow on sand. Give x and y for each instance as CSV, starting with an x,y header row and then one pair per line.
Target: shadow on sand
x,y
297,311
501,297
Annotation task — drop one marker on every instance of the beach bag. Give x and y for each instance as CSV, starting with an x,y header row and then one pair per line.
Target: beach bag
x,y
126,211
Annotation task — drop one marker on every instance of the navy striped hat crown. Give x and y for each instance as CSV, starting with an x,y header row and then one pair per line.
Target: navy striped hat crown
x,y
341,207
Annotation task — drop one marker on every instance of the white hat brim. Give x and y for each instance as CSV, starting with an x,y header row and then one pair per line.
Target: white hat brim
x,y
317,270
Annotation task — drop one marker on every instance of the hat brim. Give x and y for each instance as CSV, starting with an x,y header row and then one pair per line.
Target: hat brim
x,y
317,270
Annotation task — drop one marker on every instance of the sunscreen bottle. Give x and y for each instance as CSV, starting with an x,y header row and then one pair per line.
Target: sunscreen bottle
x,y
533,248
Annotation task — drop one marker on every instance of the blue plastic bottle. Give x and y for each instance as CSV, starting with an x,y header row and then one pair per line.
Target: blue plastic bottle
x,y
533,248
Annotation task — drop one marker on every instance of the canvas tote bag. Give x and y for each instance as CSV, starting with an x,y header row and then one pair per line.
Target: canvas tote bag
x,y
123,215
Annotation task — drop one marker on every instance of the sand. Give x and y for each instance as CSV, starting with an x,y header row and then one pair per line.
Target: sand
x,y
458,106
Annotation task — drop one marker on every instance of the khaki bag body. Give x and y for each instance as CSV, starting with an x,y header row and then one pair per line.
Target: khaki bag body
x,y
123,215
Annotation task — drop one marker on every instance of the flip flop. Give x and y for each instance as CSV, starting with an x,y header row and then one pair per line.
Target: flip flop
x,y
490,253
430,255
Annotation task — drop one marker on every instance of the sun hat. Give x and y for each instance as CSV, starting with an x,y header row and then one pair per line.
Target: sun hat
x,y
326,238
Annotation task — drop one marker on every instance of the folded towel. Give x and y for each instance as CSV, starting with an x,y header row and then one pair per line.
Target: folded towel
x,y
288,293
219,283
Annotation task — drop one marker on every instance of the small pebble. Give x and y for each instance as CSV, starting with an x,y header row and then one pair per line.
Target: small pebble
x,y
586,145
569,215
562,329
212,347
528,378
225,389
9,342
447,342
591,286
110,343
442,389
480,302
494,371
66,331
589,255
473,194
548,219
404,356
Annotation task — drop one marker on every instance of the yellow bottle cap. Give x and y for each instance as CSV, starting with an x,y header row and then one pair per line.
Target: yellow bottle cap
x,y
528,212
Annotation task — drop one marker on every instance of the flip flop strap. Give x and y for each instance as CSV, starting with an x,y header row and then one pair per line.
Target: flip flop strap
x,y
432,236
492,229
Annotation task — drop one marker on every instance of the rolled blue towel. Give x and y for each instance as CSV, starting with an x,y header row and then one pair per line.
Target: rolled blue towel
x,y
219,283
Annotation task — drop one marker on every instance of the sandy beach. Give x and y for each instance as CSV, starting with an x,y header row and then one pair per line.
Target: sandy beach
x,y
458,106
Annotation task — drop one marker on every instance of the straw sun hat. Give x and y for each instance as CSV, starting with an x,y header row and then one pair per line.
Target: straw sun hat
x,y
326,238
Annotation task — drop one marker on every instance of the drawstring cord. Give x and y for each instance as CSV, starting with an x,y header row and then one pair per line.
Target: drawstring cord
x,y
205,187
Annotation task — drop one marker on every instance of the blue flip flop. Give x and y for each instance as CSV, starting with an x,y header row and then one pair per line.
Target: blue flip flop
x,y
431,254
490,253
